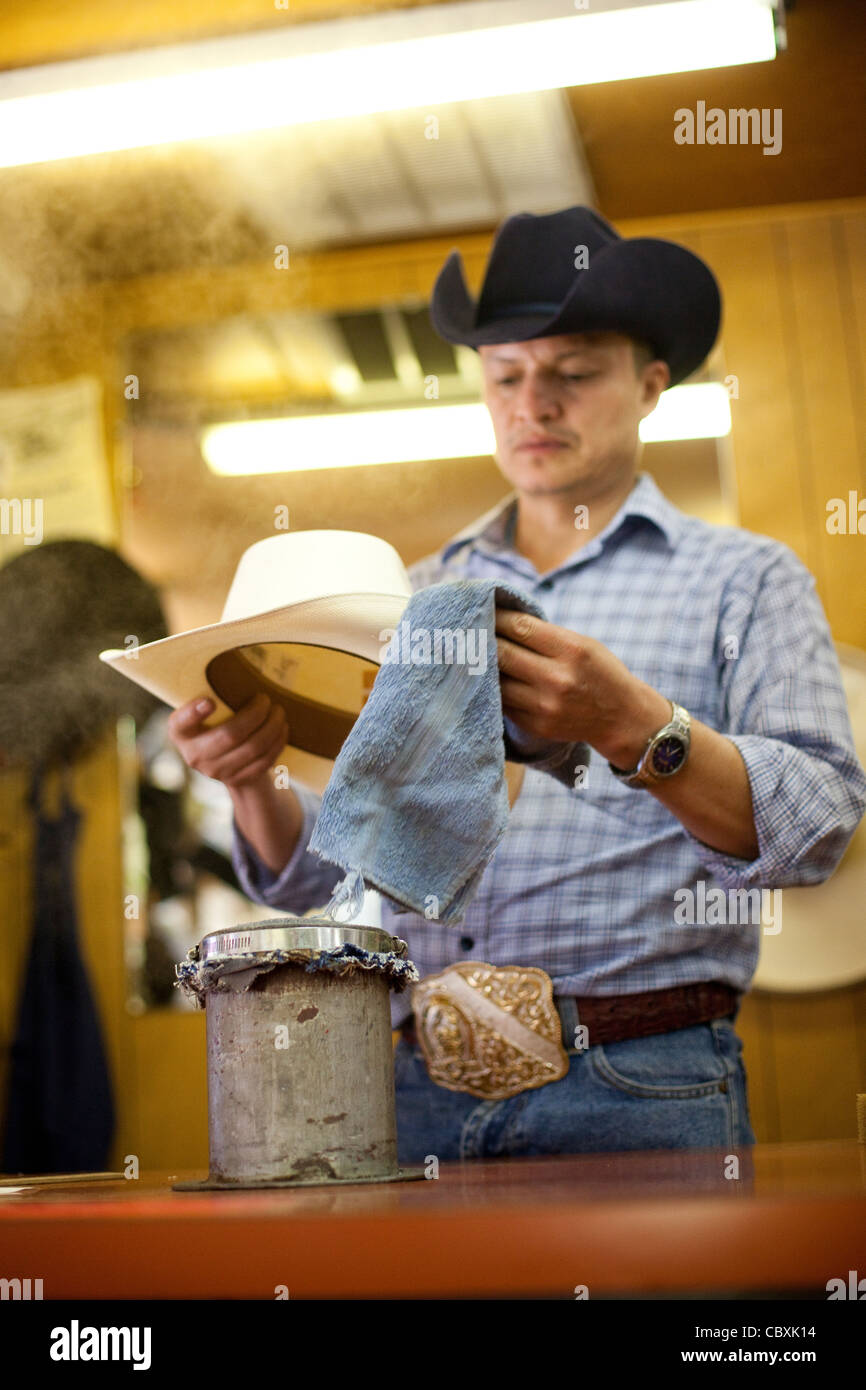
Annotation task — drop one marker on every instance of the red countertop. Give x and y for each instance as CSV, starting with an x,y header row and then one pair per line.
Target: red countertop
x,y
627,1223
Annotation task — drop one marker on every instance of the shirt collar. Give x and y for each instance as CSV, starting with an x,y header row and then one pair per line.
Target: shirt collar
x,y
491,533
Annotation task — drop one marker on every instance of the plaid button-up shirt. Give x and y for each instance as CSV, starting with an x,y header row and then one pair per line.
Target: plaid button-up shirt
x,y
587,883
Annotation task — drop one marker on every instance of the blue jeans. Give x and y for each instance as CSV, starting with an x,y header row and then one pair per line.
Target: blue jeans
x,y
679,1090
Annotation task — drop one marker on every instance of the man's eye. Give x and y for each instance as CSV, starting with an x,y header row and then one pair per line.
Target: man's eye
x,y
582,376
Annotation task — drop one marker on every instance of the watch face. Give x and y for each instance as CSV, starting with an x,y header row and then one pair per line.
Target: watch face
x,y
668,755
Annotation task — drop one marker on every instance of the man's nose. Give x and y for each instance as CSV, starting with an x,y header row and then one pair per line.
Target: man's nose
x,y
535,399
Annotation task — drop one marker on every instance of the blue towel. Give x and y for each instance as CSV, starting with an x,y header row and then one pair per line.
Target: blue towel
x,y
417,801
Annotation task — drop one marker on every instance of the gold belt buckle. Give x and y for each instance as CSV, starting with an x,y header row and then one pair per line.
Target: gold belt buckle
x,y
492,1031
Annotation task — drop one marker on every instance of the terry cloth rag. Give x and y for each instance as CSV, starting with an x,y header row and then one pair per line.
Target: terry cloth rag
x,y
417,801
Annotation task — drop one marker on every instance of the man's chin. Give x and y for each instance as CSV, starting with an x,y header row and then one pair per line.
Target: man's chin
x,y
537,482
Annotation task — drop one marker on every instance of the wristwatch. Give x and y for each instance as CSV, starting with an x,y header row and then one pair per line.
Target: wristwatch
x,y
666,752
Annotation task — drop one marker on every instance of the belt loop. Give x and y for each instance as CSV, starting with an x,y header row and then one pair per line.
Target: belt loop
x,y
568,1017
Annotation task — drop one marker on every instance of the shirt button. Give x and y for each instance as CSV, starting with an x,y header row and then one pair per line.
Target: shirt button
x,y
466,943
545,583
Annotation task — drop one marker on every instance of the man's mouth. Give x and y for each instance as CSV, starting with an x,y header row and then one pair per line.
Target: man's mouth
x,y
539,444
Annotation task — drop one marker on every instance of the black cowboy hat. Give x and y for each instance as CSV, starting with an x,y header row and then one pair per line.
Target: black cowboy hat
x,y
571,272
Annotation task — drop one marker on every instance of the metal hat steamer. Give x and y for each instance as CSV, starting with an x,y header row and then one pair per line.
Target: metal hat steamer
x,y
299,1052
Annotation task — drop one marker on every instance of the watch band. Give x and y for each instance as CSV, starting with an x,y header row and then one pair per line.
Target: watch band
x,y
665,754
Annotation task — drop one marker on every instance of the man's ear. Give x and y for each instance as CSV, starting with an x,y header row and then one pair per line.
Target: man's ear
x,y
656,378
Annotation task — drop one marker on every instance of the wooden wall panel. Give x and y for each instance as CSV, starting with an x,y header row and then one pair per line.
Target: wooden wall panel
x,y
820,355
850,244
169,1064
817,1065
767,454
755,1027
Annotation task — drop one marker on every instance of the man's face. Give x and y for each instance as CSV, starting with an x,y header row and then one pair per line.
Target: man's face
x,y
566,409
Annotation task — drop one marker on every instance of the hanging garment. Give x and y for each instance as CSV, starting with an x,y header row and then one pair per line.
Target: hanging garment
x,y
59,1111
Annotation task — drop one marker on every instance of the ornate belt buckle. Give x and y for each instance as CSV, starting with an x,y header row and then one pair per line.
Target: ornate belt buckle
x,y
492,1031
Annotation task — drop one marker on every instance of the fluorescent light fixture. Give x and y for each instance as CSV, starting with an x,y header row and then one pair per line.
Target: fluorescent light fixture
x,y
356,438
689,412
417,58
345,441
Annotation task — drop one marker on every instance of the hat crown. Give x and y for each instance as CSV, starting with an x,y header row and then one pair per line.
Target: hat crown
x,y
542,249
302,566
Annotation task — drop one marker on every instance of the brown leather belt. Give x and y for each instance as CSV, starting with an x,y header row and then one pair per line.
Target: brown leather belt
x,y
615,1018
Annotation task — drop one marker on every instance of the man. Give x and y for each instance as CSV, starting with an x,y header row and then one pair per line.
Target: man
x,y
694,660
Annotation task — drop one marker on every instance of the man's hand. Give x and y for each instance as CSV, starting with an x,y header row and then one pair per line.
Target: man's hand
x,y
559,684
238,752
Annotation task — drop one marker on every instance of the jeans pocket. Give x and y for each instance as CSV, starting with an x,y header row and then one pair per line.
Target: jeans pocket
x,y
681,1065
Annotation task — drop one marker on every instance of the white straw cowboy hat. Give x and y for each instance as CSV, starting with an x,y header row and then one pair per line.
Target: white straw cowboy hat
x,y
302,622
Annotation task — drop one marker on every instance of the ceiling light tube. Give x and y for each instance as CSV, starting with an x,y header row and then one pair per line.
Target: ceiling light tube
x,y
417,58
418,434
348,440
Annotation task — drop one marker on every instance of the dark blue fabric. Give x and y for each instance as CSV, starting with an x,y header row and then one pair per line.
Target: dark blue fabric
x,y
60,1111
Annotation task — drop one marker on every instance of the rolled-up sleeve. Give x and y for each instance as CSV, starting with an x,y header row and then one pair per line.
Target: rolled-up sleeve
x,y
786,713
305,882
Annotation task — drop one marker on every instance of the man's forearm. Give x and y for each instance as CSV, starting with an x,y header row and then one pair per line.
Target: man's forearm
x,y
269,818
710,795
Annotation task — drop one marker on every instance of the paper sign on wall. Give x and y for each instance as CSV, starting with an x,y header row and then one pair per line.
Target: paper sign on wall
x,y
54,479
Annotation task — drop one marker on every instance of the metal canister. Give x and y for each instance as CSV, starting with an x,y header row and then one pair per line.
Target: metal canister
x,y
299,1051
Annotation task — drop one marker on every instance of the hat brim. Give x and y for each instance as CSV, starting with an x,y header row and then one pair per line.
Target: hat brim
x,y
318,661
644,287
